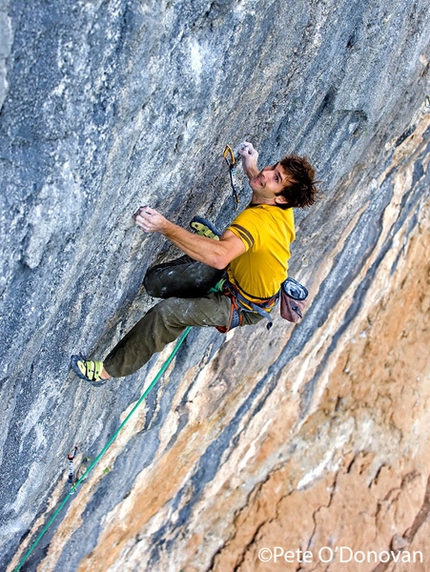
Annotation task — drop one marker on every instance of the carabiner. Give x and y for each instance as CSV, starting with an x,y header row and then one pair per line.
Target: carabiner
x,y
231,162
71,458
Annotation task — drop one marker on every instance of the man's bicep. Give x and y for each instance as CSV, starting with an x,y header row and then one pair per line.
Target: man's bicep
x,y
232,244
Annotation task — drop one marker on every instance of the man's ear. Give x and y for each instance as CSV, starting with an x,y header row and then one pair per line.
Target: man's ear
x,y
281,200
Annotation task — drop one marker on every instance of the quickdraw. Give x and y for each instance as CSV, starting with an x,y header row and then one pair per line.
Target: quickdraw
x,y
71,466
231,162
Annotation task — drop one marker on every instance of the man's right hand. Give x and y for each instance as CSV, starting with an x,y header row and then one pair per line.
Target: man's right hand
x,y
151,220
249,159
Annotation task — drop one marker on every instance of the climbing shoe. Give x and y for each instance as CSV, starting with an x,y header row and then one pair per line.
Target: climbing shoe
x,y
88,369
204,228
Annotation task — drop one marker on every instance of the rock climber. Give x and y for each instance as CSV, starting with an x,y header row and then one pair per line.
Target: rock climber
x,y
224,280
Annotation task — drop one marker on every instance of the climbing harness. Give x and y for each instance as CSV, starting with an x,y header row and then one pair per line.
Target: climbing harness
x,y
231,162
292,294
106,447
71,467
293,297
239,303
262,307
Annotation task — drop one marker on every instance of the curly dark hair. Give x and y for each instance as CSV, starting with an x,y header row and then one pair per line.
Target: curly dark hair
x,y
302,190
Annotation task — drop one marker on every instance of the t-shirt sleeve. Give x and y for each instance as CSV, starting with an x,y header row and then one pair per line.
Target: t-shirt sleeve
x,y
245,226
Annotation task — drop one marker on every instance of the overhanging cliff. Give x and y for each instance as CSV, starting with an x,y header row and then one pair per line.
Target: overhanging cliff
x,y
106,105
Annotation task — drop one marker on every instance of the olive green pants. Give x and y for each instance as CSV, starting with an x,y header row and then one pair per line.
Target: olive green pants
x,y
168,319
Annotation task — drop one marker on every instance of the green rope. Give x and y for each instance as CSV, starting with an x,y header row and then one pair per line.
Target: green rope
x,y
106,447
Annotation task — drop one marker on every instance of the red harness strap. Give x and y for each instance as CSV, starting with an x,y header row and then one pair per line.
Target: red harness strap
x,y
240,302
236,317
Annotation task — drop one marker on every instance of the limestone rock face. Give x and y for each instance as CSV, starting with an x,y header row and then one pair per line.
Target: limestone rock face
x,y
305,448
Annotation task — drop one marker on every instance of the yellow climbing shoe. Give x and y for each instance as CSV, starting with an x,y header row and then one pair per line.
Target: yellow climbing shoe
x,y
89,370
204,228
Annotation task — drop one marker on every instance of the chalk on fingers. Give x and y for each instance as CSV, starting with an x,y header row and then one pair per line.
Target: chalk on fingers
x,y
138,212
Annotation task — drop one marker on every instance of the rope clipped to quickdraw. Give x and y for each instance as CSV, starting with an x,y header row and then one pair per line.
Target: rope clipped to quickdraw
x,y
232,163
74,486
71,473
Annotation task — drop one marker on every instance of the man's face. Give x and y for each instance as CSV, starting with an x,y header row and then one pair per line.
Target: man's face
x,y
270,181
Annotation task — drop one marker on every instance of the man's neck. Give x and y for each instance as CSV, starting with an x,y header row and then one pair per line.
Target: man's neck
x,y
256,200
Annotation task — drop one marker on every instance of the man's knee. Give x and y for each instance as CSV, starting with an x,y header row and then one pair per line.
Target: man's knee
x,y
182,278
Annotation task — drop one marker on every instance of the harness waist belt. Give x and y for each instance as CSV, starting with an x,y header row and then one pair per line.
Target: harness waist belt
x,y
262,307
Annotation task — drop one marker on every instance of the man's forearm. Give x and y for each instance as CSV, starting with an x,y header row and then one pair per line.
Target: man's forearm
x,y
250,170
200,248
215,253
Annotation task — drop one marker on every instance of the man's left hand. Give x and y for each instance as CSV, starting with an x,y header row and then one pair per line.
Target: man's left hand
x,y
249,159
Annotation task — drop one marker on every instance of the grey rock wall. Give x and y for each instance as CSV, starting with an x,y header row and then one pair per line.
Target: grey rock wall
x,y
106,105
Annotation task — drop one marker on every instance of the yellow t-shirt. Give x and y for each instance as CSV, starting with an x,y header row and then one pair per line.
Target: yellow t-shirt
x,y
266,231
